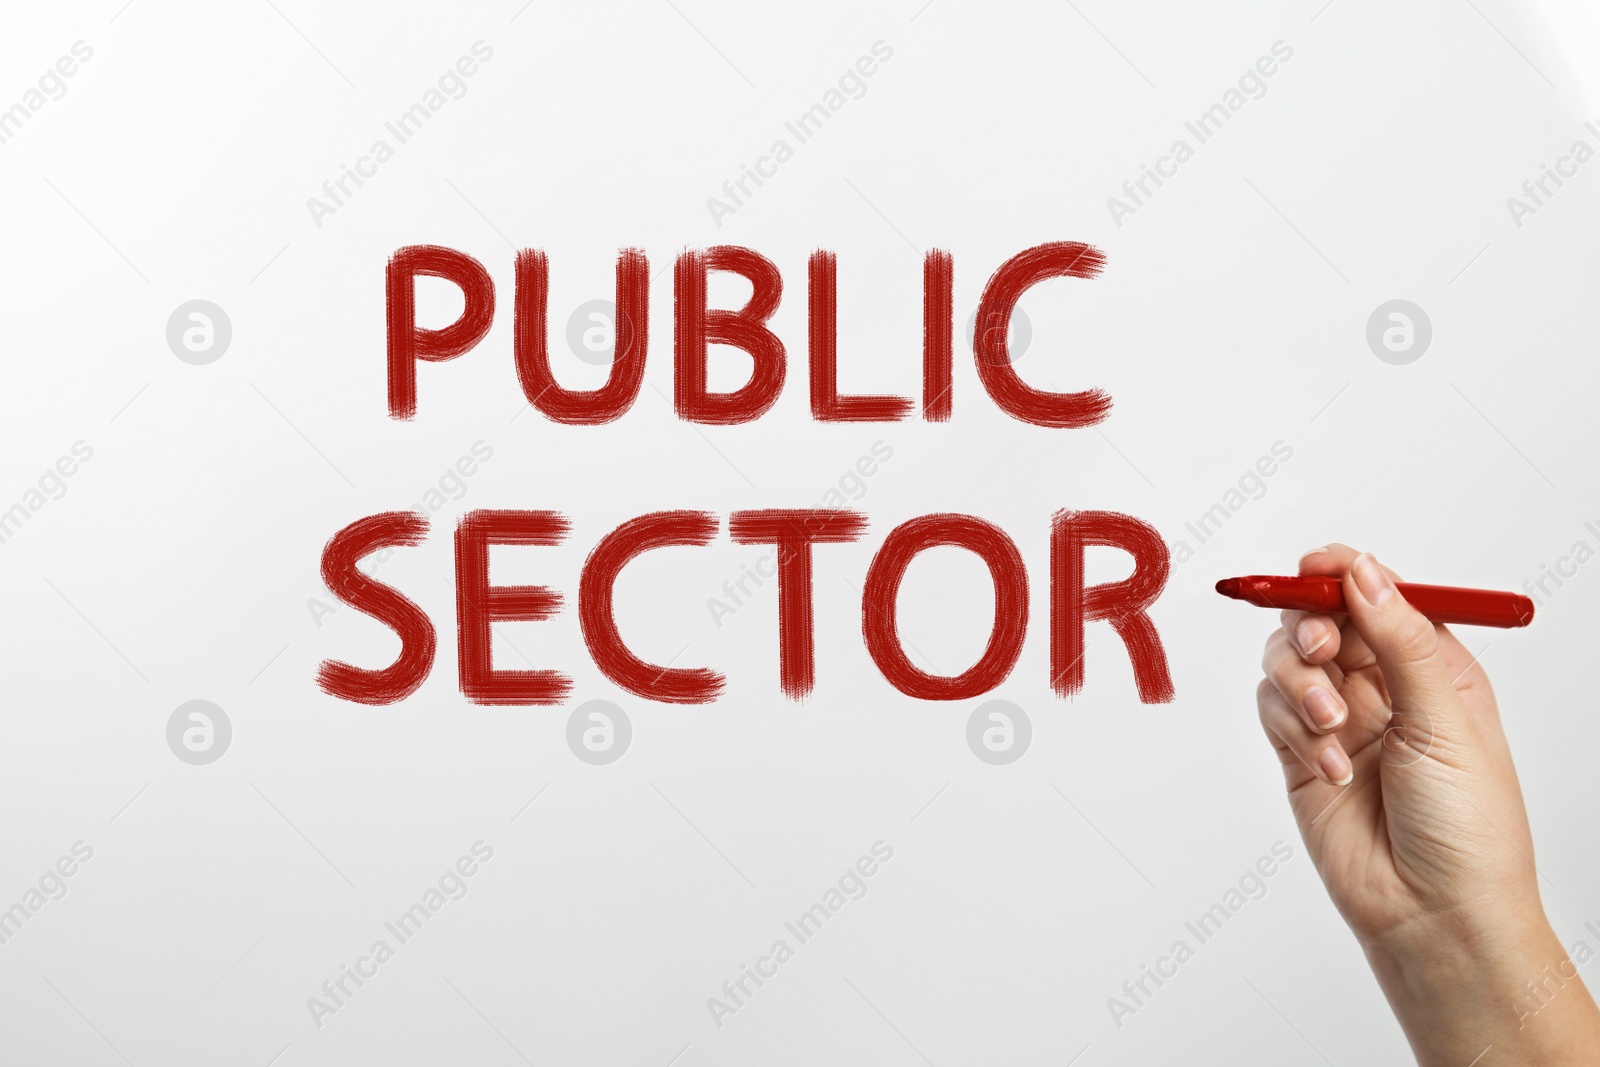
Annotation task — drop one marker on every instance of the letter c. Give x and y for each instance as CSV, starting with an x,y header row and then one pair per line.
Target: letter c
x,y
1057,259
597,618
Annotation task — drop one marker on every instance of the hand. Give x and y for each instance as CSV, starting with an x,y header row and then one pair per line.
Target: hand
x,y
1398,771
1402,783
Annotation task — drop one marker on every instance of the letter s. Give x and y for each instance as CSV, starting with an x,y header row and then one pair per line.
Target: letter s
x,y
417,637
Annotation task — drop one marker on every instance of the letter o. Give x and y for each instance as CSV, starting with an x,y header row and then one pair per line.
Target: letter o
x,y
879,622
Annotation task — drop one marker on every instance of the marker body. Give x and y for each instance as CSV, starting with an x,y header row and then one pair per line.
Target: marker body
x,y
1325,595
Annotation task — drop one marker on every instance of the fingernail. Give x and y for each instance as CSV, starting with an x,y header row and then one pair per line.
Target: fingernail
x,y
1336,766
1372,580
1325,709
1310,636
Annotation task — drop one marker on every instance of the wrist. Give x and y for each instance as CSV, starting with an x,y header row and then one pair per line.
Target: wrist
x,y
1433,958
1482,935
1460,983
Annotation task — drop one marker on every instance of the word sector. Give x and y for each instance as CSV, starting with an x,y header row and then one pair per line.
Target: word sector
x,y
794,533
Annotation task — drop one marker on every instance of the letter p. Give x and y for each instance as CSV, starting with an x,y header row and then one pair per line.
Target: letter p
x,y
409,342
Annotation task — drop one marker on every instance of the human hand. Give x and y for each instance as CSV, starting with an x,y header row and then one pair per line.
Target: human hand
x,y
1402,783
1398,771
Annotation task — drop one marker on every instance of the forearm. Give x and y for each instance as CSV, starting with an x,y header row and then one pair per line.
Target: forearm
x,y
1488,998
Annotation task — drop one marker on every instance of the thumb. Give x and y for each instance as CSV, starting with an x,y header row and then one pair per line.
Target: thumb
x,y
1401,637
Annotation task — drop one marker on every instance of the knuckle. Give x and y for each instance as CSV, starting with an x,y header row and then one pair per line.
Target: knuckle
x,y
1266,700
1273,654
1413,639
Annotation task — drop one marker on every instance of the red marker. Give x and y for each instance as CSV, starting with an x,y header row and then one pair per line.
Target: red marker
x,y
1325,595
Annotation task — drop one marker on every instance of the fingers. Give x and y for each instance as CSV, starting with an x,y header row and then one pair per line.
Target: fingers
x,y
1316,638
1405,643
1332,559
1319,638
1351,651
1306,687
1319,754
1333,677
1346,650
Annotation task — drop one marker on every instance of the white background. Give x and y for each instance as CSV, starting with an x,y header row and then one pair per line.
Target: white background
x,y
1232,315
